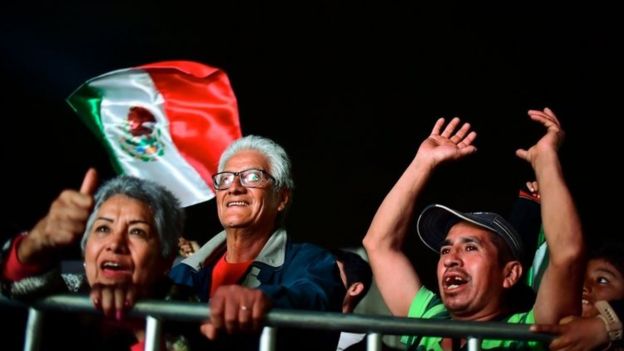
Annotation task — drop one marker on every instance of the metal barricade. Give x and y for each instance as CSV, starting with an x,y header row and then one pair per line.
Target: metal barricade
x,y
155,311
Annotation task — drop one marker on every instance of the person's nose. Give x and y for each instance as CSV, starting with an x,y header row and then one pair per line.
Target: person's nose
x,y
587,288
452,259
118,242
236,187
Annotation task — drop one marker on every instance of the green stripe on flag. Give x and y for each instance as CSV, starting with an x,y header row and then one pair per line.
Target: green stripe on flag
x,y
131,112
86,101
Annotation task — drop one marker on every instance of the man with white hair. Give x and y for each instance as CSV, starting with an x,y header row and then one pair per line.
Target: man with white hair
x,y
252,265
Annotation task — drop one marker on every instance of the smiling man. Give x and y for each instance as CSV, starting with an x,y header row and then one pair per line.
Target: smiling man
x,y
252,265
479,267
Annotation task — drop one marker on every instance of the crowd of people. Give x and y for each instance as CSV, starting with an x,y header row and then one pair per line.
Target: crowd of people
x,y
131,230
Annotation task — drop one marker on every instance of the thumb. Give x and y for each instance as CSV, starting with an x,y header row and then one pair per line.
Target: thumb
x,y
549,112
209,330
523,154
545,328
568,319
89,183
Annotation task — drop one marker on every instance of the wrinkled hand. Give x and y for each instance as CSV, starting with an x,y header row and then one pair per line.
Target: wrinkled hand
x,y
236,308
550,142
63,225
439,147
575,334
113,300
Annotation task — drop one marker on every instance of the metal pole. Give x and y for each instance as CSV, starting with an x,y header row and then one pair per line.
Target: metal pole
x,y
153,327
373,342
474,344
33,330
190,311
267,339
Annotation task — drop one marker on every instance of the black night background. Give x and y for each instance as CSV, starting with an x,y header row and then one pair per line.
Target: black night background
x,y
349,89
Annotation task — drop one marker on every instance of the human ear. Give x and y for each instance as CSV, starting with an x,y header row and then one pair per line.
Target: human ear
x,y
512,273
355,289
283,197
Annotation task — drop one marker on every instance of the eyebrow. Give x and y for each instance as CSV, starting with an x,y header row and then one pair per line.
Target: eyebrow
x,y
134,221
462,240
606,270
245,170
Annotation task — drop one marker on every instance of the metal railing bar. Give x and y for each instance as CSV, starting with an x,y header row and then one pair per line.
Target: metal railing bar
x,y
373,342
33,329
190,311
268,339
474,344
153,329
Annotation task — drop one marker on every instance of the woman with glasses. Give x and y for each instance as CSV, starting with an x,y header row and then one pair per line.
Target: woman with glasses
x,y
252,265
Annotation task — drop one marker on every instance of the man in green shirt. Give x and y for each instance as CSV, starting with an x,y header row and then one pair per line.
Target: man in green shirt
x,y
480,253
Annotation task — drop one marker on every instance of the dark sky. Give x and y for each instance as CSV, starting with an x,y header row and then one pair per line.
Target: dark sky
x,y
349,90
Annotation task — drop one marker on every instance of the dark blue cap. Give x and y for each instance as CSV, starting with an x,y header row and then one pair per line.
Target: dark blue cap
x,y
436,220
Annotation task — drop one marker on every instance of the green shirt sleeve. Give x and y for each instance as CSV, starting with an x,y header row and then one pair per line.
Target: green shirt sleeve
x,y
428,305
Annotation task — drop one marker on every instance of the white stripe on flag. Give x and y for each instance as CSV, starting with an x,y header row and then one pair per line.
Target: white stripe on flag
x,y
128,88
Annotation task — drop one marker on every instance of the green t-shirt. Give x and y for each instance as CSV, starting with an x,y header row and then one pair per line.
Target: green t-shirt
x,y
428,305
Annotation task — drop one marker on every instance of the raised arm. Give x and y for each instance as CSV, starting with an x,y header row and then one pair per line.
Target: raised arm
x,y
559,294
62,226
397,280
27,266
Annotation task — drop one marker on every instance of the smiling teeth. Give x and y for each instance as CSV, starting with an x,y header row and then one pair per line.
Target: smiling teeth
x,y
236,203
110,264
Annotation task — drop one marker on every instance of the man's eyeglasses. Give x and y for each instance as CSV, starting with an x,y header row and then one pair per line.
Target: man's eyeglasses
x,y
249,178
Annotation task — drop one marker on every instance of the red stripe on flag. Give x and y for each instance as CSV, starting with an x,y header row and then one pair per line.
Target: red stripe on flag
x,y
202,111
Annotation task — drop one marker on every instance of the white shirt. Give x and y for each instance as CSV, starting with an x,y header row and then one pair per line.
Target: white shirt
x,y
348,339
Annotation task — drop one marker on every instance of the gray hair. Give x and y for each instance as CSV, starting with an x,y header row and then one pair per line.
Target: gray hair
x,y
168,214
278,162
275,154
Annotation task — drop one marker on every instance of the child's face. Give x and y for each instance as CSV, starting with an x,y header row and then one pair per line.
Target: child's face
x,y
602,282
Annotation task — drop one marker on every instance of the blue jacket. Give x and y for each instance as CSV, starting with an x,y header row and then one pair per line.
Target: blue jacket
x,y
292,275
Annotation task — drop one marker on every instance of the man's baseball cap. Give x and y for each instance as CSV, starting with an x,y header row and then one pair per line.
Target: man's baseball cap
x,y
436,220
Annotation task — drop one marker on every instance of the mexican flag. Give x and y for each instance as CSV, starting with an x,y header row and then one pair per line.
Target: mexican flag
x,y
168,122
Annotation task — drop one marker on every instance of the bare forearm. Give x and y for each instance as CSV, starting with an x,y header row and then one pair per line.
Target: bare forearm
x,y
560,292
389,226
34,249
397,280
562,225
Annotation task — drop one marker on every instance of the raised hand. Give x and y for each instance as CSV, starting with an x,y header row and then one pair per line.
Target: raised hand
x,y
449,144
63,225
550,142
236,308
561,286
387,233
